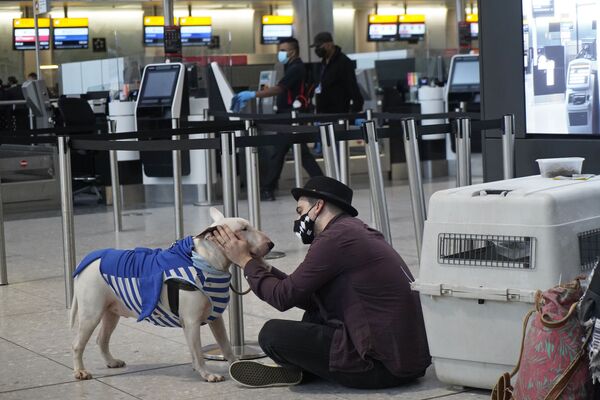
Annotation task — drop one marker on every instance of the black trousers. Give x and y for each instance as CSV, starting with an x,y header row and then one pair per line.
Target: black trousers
x,y
272,159
306,345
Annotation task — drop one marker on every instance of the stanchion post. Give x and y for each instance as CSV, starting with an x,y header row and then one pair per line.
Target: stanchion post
x,y
466,129
66,202
3,266
297,149
374,220
413,163
344,149
116,185
177,186
236,322
376,180
208,163
329,156
460,154
369,114
508,146
333,151
253,182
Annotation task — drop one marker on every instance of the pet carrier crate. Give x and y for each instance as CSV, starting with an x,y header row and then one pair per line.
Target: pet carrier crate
x,y
486,249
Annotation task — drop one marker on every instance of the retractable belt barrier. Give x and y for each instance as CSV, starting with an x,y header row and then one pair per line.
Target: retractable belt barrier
x,y
171,139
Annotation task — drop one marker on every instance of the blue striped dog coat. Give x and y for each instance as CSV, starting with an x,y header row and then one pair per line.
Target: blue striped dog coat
x,y
137,276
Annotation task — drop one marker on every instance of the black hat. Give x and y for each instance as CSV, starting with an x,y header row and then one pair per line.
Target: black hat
x,y
329,189
320,38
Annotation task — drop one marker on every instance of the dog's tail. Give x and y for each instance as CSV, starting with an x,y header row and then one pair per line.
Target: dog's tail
x,y
73,312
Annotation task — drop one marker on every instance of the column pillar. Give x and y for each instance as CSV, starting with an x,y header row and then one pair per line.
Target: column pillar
x,y
310,18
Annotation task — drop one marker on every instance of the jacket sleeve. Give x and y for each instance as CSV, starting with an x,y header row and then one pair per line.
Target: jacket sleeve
x,y
295,290
352,88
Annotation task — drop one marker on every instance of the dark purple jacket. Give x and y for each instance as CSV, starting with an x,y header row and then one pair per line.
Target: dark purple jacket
x,y
360,285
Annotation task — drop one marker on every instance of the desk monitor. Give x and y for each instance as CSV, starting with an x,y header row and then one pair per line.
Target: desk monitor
x,y
464,74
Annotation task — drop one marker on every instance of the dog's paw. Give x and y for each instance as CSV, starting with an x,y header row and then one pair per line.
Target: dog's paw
x,y
213,377
116,364
82,375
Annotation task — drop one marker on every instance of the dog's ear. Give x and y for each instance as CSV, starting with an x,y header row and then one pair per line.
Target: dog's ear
x,y
205,232
216,215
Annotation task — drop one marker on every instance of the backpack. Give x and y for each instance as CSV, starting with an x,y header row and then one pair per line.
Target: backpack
x,y
302,102
553,361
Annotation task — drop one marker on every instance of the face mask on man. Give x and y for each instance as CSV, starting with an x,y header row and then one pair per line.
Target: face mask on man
x,y
282,56
320,52
304,227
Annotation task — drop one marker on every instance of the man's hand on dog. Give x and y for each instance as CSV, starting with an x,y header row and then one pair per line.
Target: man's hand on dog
x,y
234,247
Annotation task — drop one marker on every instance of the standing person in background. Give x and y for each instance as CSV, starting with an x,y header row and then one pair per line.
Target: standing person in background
x,y
288,90
32,76
338,90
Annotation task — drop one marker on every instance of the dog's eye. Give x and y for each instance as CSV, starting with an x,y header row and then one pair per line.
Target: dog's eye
x,y
245,228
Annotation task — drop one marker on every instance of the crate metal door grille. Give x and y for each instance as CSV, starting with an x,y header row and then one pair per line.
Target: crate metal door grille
x,y
589,248
499,251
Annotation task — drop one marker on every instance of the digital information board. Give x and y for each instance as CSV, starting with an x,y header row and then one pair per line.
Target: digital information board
x,y
24,34
382,28
70,33
411,30
276,27
195,31
154,35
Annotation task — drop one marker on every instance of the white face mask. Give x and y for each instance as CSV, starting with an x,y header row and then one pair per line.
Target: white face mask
x,y
282,57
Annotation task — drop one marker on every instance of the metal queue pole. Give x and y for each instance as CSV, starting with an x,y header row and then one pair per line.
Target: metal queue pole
x,y
508,146
241,349
369,117
376,180
68,225
3,266
415,182
253,182
329,154
209,158
116,185
297,149
177,186
463,152
344,150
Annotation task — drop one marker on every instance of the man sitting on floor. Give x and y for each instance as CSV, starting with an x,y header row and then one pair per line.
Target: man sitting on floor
x,y
363,326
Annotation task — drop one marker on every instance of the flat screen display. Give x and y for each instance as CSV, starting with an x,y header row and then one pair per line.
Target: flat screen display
x,y
464,75
559,69
272,34
71,38
383,32
474,30
158,86
24,38
154,35
196,35
411,31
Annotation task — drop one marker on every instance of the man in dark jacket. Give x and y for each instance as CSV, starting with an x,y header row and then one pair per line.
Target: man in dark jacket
x,y
363,326
289,90
338,90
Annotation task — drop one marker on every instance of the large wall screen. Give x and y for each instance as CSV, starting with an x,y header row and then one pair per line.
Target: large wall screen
x,y
560,66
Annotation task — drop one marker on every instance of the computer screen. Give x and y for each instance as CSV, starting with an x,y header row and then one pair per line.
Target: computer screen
x,y
158,85
71,38
474,30
196,35
271,34
154,35
465,73
24,38
383,32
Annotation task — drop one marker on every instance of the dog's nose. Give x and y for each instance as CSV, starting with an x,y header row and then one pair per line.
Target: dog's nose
x,y
271,245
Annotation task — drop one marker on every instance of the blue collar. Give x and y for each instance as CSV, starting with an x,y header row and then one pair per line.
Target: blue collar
x,y
201,263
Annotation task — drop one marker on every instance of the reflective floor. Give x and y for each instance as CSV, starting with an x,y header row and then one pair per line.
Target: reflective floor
x,y
35,339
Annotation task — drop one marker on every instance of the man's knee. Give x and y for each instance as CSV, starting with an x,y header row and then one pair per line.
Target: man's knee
x,y
270,333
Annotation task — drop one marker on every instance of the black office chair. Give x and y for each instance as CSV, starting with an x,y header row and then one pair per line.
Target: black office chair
x,y
77,113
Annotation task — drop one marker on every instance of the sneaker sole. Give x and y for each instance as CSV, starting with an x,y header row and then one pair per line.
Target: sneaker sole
x,y
257,375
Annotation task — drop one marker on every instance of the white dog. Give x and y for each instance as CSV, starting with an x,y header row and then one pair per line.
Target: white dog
x,y
184,286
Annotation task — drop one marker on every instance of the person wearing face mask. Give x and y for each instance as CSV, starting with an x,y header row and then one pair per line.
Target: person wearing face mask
x,y
338,90
287,90
362,327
